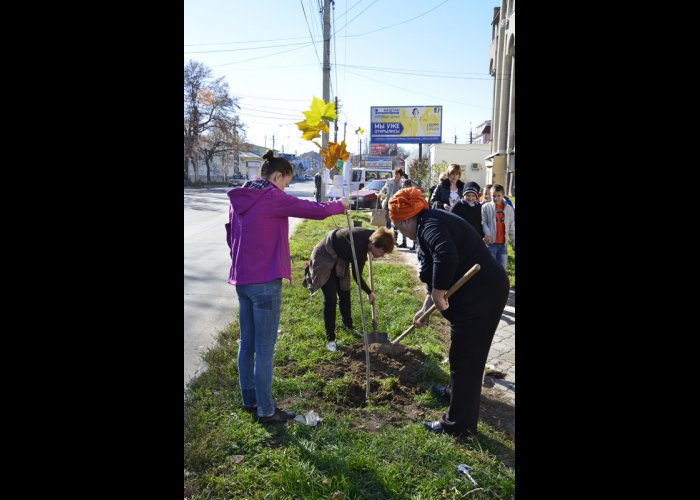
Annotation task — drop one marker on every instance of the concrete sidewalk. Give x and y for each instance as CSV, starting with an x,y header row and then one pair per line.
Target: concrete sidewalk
x,y
502,353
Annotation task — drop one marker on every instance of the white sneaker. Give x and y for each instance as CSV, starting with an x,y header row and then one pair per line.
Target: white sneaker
x,y
331,346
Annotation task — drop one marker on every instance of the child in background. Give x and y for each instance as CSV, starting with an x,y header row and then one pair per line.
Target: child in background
x,y
487,196
498,223
487,193
469,207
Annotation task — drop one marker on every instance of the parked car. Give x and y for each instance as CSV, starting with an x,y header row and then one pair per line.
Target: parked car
x,y
236,180
367,196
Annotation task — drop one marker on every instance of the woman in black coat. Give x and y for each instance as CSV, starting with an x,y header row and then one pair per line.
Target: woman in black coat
x,y
449,191
447,248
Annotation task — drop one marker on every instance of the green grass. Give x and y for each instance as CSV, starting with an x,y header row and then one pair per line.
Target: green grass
x,y
340,454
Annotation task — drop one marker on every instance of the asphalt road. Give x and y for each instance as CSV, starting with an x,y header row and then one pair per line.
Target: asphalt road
x,y
210,303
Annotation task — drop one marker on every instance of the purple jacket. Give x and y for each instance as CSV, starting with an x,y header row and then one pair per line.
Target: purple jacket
x,y
258,234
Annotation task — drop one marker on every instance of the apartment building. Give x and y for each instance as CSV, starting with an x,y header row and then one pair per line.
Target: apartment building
x,y
500,162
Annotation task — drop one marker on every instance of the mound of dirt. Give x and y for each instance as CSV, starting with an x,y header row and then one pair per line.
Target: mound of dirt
x,y
394,373
394,382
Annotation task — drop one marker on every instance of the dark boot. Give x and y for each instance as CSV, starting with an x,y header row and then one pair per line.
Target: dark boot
x,y
403,243
396,237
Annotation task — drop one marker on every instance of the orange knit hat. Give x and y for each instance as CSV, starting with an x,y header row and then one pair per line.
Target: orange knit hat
x,y
406,203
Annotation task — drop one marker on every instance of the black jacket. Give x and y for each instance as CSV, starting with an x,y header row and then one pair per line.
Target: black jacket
x,y
470,214
447,248
442,194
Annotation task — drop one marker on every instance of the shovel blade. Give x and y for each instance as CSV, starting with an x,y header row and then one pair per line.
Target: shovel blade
x,y
377,338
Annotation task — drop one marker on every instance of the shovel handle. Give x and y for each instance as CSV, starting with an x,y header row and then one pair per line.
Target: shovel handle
x,y
467,276
371,286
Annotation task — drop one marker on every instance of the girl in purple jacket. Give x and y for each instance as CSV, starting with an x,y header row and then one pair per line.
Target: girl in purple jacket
x,y
258,236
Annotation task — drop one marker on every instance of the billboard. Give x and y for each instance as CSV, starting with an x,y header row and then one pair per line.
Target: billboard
x,y
406,124
377,161
383,149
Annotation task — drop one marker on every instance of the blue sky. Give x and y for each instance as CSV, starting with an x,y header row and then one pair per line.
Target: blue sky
x,y
380,56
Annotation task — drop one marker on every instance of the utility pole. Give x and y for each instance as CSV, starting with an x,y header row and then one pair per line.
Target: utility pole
x,y
345,126
336,119
273,143
470,133
326,73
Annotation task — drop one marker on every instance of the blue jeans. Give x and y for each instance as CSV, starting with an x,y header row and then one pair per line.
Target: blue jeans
x,y
500,253
259,318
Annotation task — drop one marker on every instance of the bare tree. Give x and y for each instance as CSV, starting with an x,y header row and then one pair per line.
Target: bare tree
x,y
223,139
207,107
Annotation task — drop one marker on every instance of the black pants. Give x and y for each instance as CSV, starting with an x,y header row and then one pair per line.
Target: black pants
x,y
330,290
471,335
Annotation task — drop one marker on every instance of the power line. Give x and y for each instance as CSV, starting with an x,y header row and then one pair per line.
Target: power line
x,y
318,9
247,41
335,51
417,92
272,98
358,15
275,67
345,56
296,110
398,24
415,73
348,10
278,118
248,48
309,27
262,57
405,71
285,115
419,70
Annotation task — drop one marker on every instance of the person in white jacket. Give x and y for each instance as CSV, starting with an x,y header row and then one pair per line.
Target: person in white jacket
x,y
498,222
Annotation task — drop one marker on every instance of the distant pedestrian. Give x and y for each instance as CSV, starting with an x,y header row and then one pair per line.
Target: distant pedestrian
x,y
258,237
442,177
317,183
447,249
390,187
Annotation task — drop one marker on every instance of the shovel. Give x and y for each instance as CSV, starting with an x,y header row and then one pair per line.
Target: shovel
x,y
375,337
467,276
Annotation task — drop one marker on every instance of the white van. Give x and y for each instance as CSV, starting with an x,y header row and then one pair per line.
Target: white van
x,y
365,175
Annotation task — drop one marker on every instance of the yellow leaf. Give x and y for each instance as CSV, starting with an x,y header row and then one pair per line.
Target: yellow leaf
x,y
311,131
360,130
335,152
314,123
320,110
